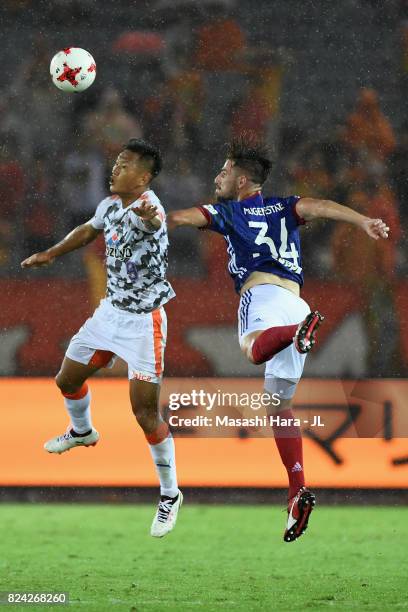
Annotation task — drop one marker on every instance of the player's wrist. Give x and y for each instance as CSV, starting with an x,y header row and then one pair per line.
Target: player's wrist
x,y
363,220
150,223
52,252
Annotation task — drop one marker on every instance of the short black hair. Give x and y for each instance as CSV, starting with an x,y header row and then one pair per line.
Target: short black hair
x,y
251,155
147,152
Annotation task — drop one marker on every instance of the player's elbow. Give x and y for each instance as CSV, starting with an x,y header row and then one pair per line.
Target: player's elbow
x,y
88,233
310,208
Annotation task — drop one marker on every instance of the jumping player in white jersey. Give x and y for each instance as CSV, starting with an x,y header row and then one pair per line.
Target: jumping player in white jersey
x,y
130,321
276,326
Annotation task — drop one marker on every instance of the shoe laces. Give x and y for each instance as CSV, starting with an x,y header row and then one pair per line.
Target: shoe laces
x,y
66,436
164,510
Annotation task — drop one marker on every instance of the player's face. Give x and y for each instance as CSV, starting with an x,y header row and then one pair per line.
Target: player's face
x,y
227,182
128,174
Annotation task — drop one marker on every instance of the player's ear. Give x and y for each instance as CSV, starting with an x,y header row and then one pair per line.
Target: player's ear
x,y
145,178
242,181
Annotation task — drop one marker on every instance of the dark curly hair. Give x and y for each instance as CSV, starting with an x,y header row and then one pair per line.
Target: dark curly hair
x,y
251,155
147,152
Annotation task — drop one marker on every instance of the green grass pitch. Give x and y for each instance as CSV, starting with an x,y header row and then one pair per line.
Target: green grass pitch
x,y
218,558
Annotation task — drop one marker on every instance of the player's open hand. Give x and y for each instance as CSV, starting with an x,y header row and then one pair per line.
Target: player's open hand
x,y
37,260
146,211
375,228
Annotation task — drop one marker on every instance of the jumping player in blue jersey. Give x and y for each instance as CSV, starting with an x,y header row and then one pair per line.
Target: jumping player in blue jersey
x,y
276,325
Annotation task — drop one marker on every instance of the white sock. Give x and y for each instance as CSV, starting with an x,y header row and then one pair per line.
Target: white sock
x,y
164,458
80,413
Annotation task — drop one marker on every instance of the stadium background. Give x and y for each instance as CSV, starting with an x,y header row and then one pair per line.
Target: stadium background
x,y
326,88
326,82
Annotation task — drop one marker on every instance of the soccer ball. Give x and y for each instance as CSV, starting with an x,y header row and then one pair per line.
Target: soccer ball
x,y
73,69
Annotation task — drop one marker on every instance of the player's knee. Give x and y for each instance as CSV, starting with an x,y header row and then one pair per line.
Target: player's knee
x,y
250,356
246,348
147,423
282,389
147,420
66,386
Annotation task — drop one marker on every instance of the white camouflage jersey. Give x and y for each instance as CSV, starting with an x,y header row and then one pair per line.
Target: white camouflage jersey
x,y
136,258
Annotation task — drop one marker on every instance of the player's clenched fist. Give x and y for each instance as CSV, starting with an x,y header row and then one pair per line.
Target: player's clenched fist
x,y
375,228
37,260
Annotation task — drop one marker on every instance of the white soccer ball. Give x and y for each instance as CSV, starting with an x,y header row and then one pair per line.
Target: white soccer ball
x,y
73,69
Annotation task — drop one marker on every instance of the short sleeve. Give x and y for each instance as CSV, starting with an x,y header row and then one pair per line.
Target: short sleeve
x,y
97,220
218,219
291,202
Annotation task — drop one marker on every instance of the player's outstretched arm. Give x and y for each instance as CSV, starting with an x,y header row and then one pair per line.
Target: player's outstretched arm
x,y
309,208
188,216
79,237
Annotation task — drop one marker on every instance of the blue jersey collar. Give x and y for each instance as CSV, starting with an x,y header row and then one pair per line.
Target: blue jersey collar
x,y
256,197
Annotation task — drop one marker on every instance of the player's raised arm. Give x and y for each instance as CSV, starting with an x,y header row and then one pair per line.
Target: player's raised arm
x,y
309,208
188,216
79,237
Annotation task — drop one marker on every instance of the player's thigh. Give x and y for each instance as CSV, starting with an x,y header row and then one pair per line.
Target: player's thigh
x,y
247,341
266,306
142,346
89,350
73,374
250,325
144,397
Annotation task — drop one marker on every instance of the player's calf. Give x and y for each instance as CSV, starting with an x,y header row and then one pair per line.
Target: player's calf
x,y
260,346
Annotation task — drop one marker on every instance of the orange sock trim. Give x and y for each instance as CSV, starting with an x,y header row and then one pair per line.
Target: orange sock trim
x,y
78,394
158,435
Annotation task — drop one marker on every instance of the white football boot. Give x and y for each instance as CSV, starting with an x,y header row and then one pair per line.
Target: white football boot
x,y
166,515
63,443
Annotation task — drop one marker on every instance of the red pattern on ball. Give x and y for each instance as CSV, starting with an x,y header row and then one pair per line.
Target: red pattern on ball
x,y
69,74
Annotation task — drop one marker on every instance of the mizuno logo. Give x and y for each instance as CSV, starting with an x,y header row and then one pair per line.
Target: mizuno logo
x,y
119,253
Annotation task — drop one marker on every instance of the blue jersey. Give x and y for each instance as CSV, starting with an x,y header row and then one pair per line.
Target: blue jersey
x,y
262,235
